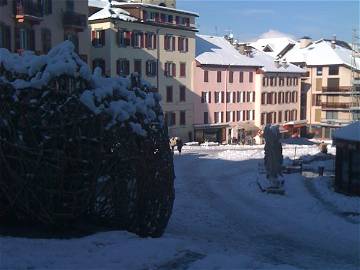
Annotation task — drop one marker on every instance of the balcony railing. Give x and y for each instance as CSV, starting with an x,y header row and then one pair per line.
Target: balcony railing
x,y
27,9
74,20
335,105
337,89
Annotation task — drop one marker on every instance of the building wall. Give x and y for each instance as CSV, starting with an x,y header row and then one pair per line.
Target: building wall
x,y
52,22
111,52
292,106
236,88
332,109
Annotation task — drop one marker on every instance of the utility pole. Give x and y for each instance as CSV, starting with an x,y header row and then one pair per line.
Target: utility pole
x,y
355,77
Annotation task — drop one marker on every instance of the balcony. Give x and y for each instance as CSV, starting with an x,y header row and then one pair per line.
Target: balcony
x,y
336,89
27,10
335,105
74,20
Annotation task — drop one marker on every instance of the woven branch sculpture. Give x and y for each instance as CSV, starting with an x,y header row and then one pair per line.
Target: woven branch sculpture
x,y
62,164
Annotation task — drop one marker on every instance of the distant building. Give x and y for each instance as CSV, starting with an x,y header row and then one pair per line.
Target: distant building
x,y
40,25
224,91
331,88
155,41
347,164
242,90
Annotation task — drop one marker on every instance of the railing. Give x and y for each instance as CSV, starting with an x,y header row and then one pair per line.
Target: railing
x,y
337,89
27,8
74,20
335,105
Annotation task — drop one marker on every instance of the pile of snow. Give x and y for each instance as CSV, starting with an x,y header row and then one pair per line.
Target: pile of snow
x,y
37,71
111,96
210,144
191,143
109,12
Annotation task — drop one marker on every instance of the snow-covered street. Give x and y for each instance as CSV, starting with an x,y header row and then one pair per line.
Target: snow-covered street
x,y
220,221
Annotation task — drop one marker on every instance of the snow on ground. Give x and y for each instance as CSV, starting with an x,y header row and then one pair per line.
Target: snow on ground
x,y
220,221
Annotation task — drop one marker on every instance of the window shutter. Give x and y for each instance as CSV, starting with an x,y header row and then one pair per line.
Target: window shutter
x,y
165,69
173,44
147,38
179,44
165,43
31,40
173,70
142,45
118,67
186,44
155,41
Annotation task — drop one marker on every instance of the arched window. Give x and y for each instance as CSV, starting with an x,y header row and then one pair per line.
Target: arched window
x,y
99,62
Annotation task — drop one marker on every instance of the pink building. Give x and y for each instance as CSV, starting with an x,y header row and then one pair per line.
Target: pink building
x,y
224,88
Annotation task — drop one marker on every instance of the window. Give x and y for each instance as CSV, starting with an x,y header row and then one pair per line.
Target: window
x,y
123,67
182,91
263,118
231,76
208,97
217,97
169,94
228,116
331,115
73,37
333,70
183,44
263,98
151,68
241,78
120,38
182,118
137,40
137,66
182,69
170,69
47,7
5,36
253,96
238,115
24,39
316,100
269,98
98,38
263,81
319,71
247,96
69,5
227,97
170,119
203,97
233,97
281,81
216,117
170,18
150,41
251,77
46,40
169,43
238,98
206,117
206,76
222,97
98,62
218,77
280,116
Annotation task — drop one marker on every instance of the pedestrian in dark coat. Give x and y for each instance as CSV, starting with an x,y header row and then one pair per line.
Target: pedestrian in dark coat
x,y
179,145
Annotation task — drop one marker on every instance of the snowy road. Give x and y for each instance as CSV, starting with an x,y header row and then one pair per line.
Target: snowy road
x,y
220,221
218,201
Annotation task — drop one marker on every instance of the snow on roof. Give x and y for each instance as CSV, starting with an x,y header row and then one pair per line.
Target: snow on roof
x,y
98,3
321,53
112,12
350,132
213,50
276,45
158,7
269,65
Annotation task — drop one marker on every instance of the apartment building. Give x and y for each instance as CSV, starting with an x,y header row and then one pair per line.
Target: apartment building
x,y
40,25
224,91
277,91
330,87
328,84
155,41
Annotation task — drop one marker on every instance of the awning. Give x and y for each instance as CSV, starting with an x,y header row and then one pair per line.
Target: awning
x,y
204,126
247,126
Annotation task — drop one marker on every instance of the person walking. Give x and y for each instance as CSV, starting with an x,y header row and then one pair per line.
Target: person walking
x,y
179,145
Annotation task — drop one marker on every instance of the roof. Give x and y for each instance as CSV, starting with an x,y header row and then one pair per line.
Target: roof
x,y
269,65
103,3
350,132
273,46
112,12
214,50
321,53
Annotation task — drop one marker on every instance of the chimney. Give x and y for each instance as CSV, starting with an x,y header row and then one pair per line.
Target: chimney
x,y
305,41
284,63
277,62
333,42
